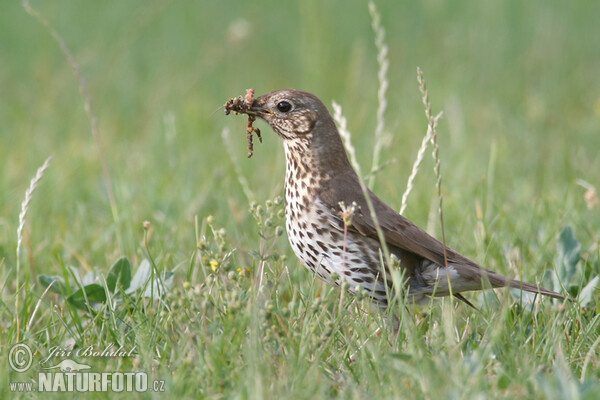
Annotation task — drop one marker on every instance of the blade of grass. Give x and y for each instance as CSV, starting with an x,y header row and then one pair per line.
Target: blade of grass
x,y
33,184
383,62
432,125
87,99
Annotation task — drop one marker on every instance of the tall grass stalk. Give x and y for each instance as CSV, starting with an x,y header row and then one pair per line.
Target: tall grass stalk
x,y
87,100
383,62
33,184
346,137
37,305
431,127
415,168
432,132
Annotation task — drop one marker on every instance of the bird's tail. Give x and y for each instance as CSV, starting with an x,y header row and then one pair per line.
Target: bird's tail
x,y
498,280
495,280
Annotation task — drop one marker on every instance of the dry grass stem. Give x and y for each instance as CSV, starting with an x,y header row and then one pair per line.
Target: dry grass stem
x,y
383,62
87,99
33,184
347,212
37,305
346,137
432,125
417,164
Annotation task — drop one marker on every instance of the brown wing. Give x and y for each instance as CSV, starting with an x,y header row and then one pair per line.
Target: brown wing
x,y
399,232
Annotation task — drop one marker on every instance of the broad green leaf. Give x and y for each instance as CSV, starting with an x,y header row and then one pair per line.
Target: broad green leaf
x,y
120,273
58,287
161,286
586,293
153,286
89,278
94,292
141,276
568,256
156,288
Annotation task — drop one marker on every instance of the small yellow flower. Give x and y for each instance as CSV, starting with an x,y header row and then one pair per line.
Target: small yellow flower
x,y
214,264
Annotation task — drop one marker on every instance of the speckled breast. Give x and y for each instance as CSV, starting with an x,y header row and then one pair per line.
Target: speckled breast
x,y
321,246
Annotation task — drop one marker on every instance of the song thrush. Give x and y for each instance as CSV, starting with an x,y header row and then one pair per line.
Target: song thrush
x,y
319,177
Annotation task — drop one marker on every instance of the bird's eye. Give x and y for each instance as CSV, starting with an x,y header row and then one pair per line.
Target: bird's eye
x,y
284,106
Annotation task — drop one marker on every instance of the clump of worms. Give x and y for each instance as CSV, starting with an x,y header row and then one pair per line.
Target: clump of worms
x,y
242,105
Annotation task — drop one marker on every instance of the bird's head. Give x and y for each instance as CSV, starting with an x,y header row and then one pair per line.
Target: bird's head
x,y
303,122
293,114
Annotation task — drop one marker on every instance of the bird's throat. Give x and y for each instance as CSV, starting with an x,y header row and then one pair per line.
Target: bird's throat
x,y
302,179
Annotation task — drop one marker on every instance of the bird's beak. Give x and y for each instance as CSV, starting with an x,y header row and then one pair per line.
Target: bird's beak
x,y
255,111
258,111
258,108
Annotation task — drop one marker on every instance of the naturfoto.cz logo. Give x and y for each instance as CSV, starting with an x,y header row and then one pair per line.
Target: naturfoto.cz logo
x,y
68,375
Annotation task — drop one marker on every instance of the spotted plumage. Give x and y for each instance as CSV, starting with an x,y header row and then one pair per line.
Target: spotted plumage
x,y
318,177
316,242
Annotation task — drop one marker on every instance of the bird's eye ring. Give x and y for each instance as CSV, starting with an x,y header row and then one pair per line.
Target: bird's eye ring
x,y
284,106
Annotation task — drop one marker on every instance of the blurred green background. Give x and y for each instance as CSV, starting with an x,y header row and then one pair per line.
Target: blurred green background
x,y
518,82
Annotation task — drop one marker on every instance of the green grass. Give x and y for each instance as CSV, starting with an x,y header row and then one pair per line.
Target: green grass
x,y
521,99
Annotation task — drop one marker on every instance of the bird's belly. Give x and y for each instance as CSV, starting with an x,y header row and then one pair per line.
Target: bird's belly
x,y
325,250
